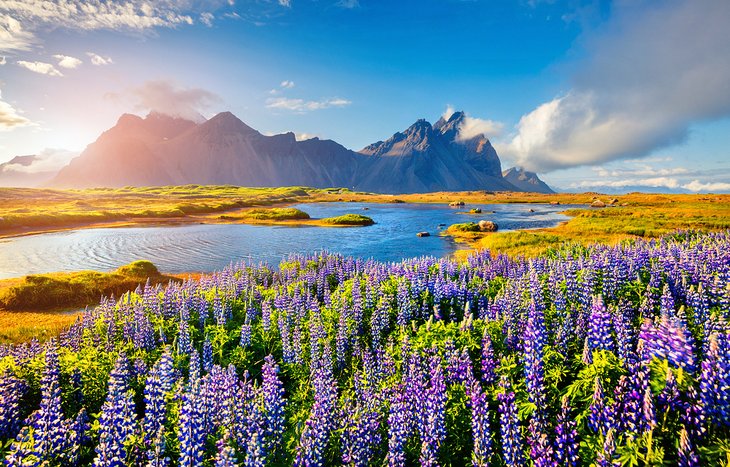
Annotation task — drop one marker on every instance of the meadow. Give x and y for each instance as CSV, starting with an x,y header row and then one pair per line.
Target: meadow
x,y
599,355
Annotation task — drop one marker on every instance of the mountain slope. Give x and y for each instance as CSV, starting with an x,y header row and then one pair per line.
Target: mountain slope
x,y
16,172
526,181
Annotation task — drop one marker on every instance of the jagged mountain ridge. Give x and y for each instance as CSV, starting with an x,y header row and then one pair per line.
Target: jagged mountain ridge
x,y
526,181
162,150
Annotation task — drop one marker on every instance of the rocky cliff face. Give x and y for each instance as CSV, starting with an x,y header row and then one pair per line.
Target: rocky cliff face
x,y
161,150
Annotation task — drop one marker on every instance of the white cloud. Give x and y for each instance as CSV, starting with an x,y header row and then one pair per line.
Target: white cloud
x,y
98,60
472,126
651,72
654,182
696,185
42,68
207,18
348,4
286,3
301,105
167,98
305,136
448,112
287,84
9,117
13,37
3,60
66,61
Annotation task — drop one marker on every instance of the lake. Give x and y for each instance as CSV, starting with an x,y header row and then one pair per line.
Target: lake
x,y
210,247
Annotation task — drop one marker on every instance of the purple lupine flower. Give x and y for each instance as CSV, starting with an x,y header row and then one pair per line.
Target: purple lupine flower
x,y
669,398
46,427
192,434
12,390
715,379
598,419
534,352
273,404
606,458
686,455
226,455
399,428
118,420
668,339
566,438
481,434
245,339
159,383
600,332
433,431
693,417
207,360
541,450
255,452
489,361
321,422
361,435
512,447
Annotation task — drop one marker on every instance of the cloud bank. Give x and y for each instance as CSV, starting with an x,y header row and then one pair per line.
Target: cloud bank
x,y
165,97
301,105
41,68
653,71
9,117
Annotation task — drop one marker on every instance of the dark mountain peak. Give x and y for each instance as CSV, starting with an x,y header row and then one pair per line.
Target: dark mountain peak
x,y
129,120
450,127
526,180
226,122
20,160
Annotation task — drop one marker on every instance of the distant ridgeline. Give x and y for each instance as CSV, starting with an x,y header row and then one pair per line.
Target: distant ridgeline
x,y
162,150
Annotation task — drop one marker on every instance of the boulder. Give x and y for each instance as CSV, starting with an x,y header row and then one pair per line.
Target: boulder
x,y
423,234
530,210
487,226
456,203
598,204
475,211
614,201
555,203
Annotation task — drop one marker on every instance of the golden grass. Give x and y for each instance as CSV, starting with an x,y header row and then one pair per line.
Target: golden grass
x,y
22,326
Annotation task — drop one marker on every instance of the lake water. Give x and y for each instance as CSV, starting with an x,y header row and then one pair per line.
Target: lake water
x,y
210,247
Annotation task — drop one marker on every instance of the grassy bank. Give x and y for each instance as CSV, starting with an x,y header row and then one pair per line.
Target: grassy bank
x,y
40,305
632,216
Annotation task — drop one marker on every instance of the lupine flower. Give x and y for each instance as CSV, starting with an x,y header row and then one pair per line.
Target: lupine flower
x,y
566,442
600,333
489,361
245,340
686,454
606,458
598,419
118,421
512,448
321,422
274,404
479,425
668,339
12,390
433,431
534,352
399,428
207,360
159,383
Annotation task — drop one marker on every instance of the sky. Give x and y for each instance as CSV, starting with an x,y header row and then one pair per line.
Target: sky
x,y
593,95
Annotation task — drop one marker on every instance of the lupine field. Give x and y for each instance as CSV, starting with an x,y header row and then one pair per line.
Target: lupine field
x,y
588,356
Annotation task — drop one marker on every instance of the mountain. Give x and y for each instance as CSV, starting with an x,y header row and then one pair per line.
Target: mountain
x,y
18,172
432,158
526,181
162,150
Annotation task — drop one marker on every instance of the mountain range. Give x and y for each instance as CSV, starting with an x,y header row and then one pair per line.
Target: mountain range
x,y
163,150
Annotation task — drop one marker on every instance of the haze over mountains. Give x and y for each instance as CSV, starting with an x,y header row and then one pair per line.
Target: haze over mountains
x,y
162,150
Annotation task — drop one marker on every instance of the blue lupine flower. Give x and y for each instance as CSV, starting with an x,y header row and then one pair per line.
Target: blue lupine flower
x,y
433,430
566,442
512,447
118,420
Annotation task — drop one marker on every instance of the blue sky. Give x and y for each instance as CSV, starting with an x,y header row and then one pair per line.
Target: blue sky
x,y
593,95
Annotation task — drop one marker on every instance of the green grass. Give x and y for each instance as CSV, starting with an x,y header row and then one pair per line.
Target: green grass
x,y
40,292
348,219
271,214
464,227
